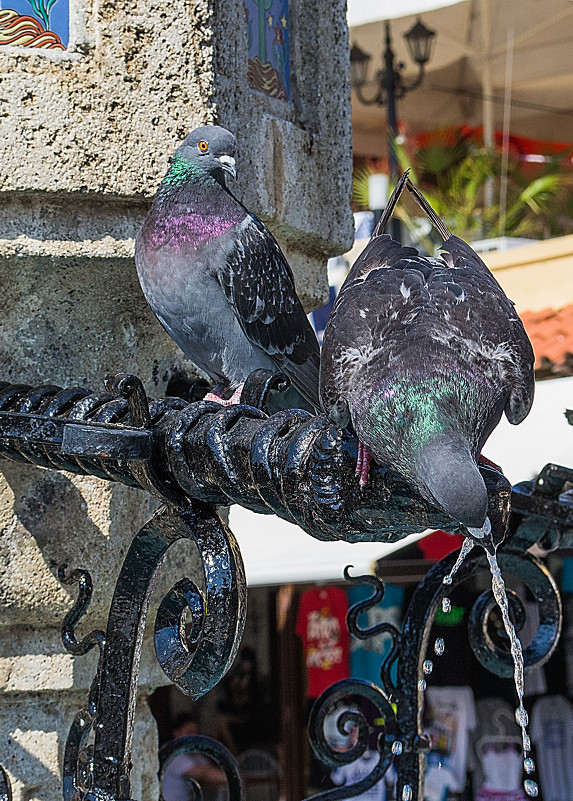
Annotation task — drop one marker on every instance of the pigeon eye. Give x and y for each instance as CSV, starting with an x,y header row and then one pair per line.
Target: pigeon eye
x,y
203,146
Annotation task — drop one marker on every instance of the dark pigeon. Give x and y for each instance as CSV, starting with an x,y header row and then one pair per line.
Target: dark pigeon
x,y
422,356
217,280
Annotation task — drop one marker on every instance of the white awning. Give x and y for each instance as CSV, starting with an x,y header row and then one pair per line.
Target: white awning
x,y
467,78
544,436
277,552
361,12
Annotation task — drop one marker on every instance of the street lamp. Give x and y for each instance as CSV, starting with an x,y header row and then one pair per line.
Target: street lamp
x,y
390,84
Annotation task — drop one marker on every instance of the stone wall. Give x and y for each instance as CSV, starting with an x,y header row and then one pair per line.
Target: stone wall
x,y
85,136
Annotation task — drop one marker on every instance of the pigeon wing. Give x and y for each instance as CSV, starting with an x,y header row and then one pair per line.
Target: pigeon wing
x,y
503,325
381,252
259,285
395,302
384,291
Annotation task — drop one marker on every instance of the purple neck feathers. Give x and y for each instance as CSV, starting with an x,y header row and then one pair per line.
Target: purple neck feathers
x,y
182,225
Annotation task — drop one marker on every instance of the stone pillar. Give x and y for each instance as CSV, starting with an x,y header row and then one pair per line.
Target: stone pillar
x,y
86,130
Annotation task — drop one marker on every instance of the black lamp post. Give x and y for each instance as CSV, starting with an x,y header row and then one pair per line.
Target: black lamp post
x,y
390,84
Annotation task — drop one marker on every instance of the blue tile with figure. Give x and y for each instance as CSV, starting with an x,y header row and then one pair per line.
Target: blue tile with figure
x,y
268,43
40,24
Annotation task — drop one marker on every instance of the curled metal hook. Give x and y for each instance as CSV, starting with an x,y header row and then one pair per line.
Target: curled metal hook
x,y
79,609
199,744
340,699
383,627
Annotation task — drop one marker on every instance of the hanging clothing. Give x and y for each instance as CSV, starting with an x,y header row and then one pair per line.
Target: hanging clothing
x,y
485,794
497,752
450,716
502,768
552,732
321,624
367,656
354,772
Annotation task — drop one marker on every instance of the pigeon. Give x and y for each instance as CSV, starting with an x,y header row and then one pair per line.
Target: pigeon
x,y
422,355
217,280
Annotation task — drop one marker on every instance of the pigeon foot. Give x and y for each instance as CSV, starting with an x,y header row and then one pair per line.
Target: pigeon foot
x,y
363,464
233,400
484,460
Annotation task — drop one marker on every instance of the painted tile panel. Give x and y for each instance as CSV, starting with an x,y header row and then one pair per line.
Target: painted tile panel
x,y
42,24
268,42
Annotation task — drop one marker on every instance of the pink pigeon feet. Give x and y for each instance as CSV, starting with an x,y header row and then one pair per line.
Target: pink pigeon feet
x,y
234,399
484,460
363,464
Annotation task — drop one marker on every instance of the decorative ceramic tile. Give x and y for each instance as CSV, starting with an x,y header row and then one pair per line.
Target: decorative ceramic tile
x,y
268,41
35,23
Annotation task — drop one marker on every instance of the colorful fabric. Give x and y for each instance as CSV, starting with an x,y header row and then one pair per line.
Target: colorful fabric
x,y
321,624
449,718
552,732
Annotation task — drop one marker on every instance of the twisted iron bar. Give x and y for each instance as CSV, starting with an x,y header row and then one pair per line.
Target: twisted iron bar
x,y
292,464
196,455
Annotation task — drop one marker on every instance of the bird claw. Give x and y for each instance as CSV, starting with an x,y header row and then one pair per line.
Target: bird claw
x,y
363,464
232,401
484,460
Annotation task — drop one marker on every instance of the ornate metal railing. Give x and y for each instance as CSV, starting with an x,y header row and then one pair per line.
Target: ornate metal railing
x,y
196,456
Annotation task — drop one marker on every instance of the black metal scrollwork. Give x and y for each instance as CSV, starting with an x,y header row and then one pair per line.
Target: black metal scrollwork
x,y
217,613
5,786
342,694
382,627
537,579
199,744
414,642
194,456
409,651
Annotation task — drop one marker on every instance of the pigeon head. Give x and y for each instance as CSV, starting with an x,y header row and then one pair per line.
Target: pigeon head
x,y
208,150
447,475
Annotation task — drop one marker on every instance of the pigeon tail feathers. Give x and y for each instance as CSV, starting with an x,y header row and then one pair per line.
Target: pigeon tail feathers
x,y
390,206
436,221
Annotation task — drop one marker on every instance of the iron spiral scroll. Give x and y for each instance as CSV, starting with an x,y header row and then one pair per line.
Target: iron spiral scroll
x,y
400,703
194,456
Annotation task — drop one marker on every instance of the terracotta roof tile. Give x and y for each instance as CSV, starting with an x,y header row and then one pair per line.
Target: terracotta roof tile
x,y
551,334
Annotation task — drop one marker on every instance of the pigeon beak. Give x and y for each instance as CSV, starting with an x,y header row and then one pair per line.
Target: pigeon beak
x,y
228,164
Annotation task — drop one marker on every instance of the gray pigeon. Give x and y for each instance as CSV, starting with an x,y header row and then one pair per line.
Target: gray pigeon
x,y
422,356
217,280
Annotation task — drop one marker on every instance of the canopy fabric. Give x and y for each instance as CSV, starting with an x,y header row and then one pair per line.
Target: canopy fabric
x,y
277,552
361,12
471,46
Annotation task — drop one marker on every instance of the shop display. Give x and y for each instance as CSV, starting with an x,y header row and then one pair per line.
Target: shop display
x,y
497,753
552,734
321,624
449,718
